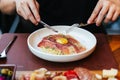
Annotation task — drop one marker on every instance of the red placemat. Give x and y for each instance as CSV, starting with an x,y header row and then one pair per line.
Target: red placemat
x,y
19,54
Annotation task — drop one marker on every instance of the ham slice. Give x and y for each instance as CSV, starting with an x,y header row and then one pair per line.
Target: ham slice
x,y
84,74
70,47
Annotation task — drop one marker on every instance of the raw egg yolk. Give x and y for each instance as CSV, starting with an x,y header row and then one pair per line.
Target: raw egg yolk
x,y
62,40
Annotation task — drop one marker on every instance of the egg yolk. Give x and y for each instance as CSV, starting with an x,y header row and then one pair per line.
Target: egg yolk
x,y
62,40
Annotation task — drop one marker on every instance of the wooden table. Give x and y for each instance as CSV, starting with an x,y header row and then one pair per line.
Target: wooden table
x,y
114,41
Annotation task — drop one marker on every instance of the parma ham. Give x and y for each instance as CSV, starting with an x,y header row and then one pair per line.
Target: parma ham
x,y
60,44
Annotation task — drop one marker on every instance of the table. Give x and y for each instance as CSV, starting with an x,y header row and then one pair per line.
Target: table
x,y
20,55
114,42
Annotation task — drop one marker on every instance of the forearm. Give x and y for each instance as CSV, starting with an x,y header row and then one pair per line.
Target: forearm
x,y
7,6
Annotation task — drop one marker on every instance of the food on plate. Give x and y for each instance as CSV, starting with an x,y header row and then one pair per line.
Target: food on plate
x,y
98,76
77,73
84,74
109,73
61,44
5,74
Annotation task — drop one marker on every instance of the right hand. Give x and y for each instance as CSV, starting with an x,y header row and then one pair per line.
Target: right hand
x,y
107,10
29,10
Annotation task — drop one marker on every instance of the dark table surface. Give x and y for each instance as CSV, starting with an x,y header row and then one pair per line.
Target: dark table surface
x,y
114,42
19,54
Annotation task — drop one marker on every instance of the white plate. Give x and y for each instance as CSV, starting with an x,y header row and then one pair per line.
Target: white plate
x,y
86,38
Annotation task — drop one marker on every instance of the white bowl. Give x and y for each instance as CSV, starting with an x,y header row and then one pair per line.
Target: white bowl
x,y
86,38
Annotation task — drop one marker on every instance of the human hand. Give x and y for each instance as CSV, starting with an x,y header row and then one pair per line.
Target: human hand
x,y
107,10
7,6
29,10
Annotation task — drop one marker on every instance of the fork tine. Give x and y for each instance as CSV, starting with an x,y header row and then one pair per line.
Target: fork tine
x,y
83,24
76,25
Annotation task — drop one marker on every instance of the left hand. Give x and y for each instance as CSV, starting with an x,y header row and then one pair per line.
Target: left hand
x,y
7,6
107,10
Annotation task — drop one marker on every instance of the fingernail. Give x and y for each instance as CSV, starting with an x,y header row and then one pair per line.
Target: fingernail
x,y
88,22
97,24
36,24
38,19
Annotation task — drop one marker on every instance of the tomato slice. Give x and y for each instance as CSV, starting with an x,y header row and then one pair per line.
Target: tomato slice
x,y
71,75
70,72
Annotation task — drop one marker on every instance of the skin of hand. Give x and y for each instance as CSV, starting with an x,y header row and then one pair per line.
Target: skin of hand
x,y
107,10
29,10
7,6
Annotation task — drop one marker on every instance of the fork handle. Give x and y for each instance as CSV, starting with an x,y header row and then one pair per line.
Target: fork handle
x,y
10,43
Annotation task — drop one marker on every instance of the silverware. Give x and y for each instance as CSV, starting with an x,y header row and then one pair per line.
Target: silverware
x,y
76,25
83,24
47,26
4,52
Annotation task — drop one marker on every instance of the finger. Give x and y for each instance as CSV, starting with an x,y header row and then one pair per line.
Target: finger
x,y
34,10
110,14
21,13
95,13
38,6
28,13
102,14
115,16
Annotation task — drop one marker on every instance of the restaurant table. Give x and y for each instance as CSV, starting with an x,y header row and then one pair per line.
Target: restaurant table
x,y
114,42
19,54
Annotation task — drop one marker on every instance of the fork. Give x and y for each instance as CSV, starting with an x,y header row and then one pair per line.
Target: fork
x,y
47,26
76,25
4,52
83,24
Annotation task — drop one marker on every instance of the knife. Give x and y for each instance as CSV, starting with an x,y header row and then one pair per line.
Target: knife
x,y
4,52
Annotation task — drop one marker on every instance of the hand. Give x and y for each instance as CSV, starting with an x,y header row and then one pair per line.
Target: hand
x,y
7,6
107,10
29,10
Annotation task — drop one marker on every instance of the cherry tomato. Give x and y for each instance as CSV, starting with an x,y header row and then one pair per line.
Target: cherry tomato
x,y
71,75
70,72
